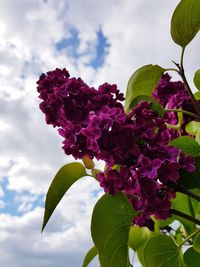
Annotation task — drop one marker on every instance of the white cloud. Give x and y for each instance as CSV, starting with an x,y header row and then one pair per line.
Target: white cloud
x,y
26,202
65,239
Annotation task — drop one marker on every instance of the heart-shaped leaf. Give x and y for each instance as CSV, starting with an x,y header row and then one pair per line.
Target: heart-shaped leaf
x,y
187,144
161,250
138,236
197,95
196,243
155,105
111,220
191,257
193,127
183,204
142,82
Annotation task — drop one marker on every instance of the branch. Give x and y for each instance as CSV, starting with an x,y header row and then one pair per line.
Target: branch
x,y
189,193
182,74
185,216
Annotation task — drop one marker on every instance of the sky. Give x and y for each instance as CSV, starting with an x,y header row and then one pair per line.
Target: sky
x,y
100,41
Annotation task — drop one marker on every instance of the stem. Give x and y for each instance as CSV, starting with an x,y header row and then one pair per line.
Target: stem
x,y
183,190
188,238
182,74
190,92
184,112
182,55
172,126
185,216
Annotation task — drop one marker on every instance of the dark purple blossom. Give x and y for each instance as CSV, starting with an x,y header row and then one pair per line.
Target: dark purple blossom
x,y
67,103
135,146
149,168
169,172
110,137
114,181
170,94
173,95
187,163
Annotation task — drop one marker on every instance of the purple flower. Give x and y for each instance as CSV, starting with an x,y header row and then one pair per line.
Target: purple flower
x,y
113,181
110,137
153,198
149,168
173,95
170,94
67,103
169,172
187,163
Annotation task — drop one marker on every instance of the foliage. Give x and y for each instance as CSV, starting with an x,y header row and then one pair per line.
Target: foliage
x,y
151,150
142,82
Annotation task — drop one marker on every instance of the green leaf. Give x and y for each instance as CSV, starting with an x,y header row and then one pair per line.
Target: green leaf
x,y
197,95
162,223
140,250
197,79
185,22
161,250
142,82
193,127
191,257
138,236
196,243
64,178
183,203
155,105
187,144
197,210
140,254
191,179
140,245
195,202
111,220
90,256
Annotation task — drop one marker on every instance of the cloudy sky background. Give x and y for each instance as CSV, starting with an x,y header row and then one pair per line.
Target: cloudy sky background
x,y
101,41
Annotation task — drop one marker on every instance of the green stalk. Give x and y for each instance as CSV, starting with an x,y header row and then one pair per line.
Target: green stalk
x,y
190,114
188,238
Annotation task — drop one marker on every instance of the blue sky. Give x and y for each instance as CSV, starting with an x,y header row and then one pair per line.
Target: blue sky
x,y
100,41
18,203
98,50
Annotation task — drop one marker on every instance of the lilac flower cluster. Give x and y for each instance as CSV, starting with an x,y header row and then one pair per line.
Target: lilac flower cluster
x,y
173,95
67,103
139,161
150,179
